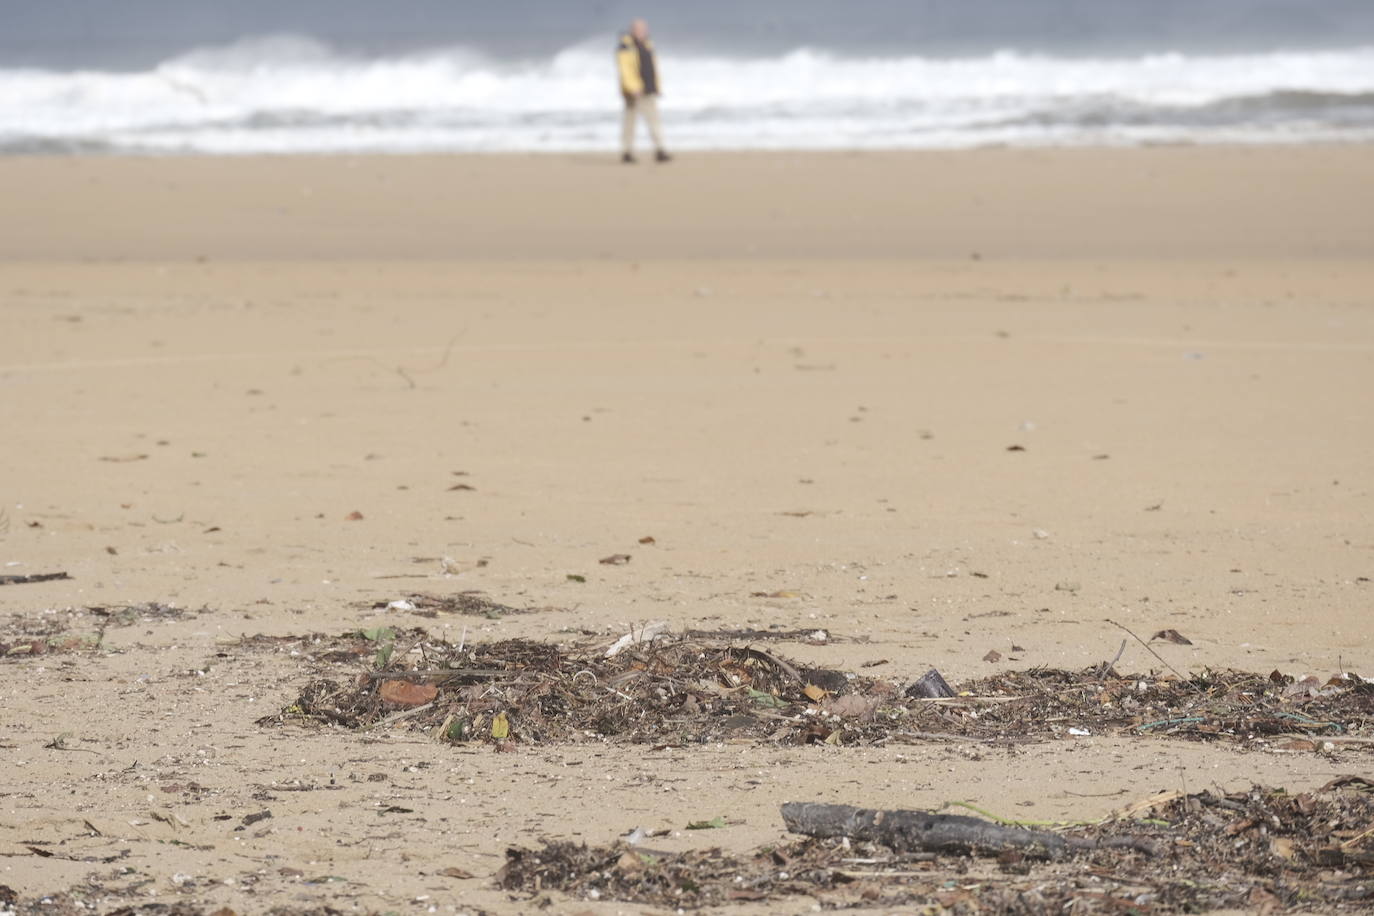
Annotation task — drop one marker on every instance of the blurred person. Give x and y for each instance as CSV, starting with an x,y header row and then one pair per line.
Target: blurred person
x,y
639,85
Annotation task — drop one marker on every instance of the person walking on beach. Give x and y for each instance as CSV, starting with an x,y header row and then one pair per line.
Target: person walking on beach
x,y
635,60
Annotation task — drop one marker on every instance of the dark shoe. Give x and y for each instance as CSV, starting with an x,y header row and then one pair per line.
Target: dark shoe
x,y
661,156
627,158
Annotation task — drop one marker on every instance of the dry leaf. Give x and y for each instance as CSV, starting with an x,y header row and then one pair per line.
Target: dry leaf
x,y
629,862
648,539
814,693
1309,685
452,872
404,693
851,706
354,516
993,656
500,727
615,559
1173,636
461,486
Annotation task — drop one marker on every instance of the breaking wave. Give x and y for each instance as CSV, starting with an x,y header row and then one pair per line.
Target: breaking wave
x,y
286,94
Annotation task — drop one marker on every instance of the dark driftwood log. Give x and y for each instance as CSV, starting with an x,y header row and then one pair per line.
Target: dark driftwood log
x,y
36,577
912,831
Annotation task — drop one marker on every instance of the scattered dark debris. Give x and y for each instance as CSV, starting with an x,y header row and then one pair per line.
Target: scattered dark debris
x,y
251,819
1263,850
94,896
691,690
24,647
126,615
77,629
32,578
344,649
468,604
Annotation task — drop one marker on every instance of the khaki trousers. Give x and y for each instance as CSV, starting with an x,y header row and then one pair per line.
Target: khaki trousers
x,y
647,106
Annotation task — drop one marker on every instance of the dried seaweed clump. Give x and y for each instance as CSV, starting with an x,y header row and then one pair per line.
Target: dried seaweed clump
x,y
1262,850
676,691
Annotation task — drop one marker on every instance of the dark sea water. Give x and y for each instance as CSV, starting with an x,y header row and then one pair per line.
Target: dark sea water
x,y
403,75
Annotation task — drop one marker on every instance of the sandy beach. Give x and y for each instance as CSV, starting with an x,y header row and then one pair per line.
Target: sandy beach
x,y
938,405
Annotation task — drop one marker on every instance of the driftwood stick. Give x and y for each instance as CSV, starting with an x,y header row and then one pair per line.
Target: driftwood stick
x,y
774,661
911,831
442,675
35,577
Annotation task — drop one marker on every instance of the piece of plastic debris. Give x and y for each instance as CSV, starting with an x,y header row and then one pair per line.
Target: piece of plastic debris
x,y
931,685
647,633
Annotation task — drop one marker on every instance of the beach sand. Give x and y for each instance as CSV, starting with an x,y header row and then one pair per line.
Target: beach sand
x,y
797,373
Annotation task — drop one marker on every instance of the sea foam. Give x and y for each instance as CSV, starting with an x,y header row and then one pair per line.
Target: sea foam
x,y
286,94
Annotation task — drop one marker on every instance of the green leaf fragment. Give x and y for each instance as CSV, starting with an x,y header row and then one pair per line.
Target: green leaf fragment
x,y
765,699
379,634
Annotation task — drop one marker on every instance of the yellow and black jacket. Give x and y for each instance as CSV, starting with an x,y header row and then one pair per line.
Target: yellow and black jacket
x,y
638,69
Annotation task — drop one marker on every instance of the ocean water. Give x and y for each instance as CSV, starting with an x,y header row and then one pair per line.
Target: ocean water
x,y
349,76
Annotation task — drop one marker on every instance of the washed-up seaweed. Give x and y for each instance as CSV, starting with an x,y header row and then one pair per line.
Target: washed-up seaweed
x,y
466,604
678,691
1262,850
77,629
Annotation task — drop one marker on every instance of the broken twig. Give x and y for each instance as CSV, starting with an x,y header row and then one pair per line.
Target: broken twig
x,y
1150,649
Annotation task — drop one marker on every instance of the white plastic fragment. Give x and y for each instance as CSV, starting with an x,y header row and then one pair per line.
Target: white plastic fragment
x,y
647,633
